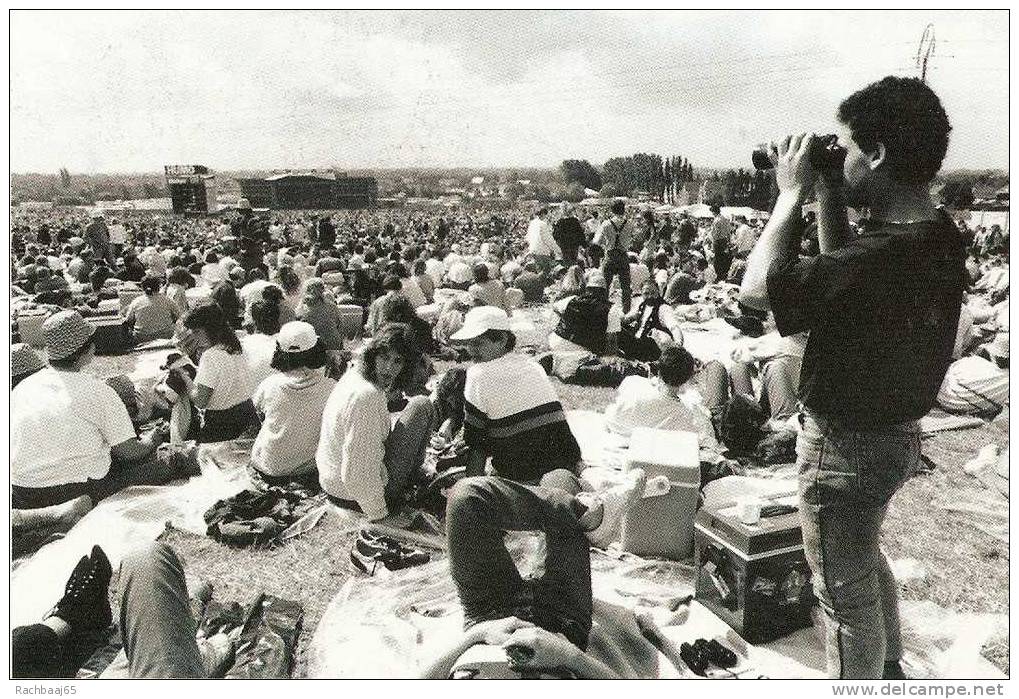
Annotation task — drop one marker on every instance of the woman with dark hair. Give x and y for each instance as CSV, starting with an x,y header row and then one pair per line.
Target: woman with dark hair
x,y
288,280
225,296
397,309
391,285
291,401
366,457
260,343
179,280
223,385
485,290
152,316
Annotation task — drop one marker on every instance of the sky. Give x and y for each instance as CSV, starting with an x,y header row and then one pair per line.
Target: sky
x,y
125,91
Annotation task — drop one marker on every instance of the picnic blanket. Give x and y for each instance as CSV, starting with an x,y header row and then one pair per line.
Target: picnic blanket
x,y
394,624
120,524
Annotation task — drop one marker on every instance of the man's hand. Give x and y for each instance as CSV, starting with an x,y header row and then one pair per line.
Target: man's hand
x,y
793,171
497,631
534,647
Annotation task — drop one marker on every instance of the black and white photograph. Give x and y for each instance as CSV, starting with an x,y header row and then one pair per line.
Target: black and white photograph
x,y
401,344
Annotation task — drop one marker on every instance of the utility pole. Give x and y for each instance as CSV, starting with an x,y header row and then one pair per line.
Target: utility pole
x,y
925,51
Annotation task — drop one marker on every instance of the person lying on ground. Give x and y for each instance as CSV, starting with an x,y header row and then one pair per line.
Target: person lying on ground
x,y
512,412
542,624
71,434
367,456
156,623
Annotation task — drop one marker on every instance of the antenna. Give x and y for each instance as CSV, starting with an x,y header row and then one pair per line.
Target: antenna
x,y
925,51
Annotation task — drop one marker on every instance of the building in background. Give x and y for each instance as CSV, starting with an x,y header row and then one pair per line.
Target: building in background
x,y
192,189
310,190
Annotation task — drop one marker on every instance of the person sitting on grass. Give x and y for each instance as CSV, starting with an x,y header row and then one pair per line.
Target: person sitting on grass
x,y
537,627
485,290
71,434
318,309
652,322
224,385
367,457
152,316
512,412
291,402
667,401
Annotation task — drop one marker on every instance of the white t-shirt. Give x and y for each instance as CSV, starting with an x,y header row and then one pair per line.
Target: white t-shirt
x,y
640,403
252,291
63,424
460,273
118,234
412,290
259,350
638,275
292,422
228,375
435,269
352,446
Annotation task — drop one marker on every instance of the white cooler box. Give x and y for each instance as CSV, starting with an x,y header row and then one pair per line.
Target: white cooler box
x,y
660,525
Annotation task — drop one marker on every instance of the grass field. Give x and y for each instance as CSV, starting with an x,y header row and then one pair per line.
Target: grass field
x,y
966,569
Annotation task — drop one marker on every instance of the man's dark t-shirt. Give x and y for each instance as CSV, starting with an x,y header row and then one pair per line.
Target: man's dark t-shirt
x,y
882,314
569,235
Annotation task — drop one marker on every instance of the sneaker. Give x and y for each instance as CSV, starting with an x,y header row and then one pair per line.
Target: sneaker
x,y
85,605
367,564
369,551
719,655
613,503
694,659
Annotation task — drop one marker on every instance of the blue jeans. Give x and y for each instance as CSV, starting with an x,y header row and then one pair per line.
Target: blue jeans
x,y
846,480
479,512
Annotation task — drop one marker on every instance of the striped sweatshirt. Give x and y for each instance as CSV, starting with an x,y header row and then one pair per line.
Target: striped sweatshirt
x,y
512,413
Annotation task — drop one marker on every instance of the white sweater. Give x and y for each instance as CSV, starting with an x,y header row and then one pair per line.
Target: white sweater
x,y
352,447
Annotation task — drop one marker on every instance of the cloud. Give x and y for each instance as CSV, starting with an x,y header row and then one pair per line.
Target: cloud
x,y
132,90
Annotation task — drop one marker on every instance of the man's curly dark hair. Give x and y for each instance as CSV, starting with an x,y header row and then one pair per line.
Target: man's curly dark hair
x,y
906,116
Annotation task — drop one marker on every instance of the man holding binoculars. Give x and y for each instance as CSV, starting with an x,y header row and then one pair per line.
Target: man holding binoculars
x,y
882,309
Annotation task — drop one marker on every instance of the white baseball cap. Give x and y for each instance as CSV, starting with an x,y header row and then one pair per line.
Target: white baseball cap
x,y
480,320
296,336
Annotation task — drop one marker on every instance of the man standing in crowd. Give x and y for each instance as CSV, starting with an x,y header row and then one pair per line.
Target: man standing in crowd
x,y
118,237
541,246
721,242
98,238
882,310
326,232
614,237
569,235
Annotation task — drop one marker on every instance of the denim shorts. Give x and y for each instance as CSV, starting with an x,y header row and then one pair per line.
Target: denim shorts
x,y
837,464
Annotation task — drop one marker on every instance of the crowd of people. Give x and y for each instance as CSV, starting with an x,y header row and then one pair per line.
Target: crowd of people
x,y
318,335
